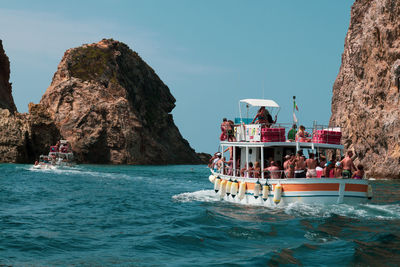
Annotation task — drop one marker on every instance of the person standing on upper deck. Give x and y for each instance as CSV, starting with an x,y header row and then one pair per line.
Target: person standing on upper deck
x,y
348,165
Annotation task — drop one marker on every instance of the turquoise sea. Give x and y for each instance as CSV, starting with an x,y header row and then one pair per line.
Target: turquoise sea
x,y
94,215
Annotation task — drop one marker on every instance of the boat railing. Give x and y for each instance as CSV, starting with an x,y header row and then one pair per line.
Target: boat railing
x,y
244,173
286,132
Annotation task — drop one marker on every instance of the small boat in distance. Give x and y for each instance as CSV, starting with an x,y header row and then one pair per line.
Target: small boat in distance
x,y
253,142
59,155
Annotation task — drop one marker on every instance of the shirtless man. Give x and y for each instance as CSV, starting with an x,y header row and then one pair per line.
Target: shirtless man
x,y
299,167
291,166
274,170
348,165
311,164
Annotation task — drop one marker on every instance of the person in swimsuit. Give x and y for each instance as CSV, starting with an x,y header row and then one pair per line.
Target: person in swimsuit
x,y
338,170
311,164
302,135
230,131
359,173
263,117
348,165
300,166
291,165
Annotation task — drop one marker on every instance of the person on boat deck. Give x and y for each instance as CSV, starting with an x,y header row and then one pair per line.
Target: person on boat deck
x,y
292,133
216,160
322,161
286,165
300,166
359,173
348,165
291,164
311,164
257,170
274,170
231,131
243,170
250,170
228,167
338,170
224,129
302,135
328,171
263,117
230,152
211,161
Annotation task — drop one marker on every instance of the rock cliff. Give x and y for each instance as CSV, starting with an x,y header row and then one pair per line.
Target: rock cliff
x,y
366,96
113,108
24,137
6,99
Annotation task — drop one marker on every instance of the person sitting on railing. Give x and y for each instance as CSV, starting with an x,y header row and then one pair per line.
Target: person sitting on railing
x,y
263,117
302,135
292,133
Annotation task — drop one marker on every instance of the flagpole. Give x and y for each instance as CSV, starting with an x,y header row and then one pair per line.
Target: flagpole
x,y
294,103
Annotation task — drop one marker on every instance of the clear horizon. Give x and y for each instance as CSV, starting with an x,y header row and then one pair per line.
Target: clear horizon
x,y
210,54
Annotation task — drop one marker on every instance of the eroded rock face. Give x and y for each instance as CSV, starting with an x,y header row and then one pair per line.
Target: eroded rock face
x,y
113,108
366,96
24,137
6,99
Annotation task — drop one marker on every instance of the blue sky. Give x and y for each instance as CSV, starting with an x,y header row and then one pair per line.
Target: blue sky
x,y
211,54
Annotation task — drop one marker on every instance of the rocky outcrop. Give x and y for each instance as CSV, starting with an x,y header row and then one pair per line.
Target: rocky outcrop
x,y
113,108
6,99
24,137
366,98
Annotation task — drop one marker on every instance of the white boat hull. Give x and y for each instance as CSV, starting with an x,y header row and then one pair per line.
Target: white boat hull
x,y
325,191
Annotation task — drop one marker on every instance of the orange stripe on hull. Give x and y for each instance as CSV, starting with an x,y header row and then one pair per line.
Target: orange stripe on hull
x,y
310,187
356,187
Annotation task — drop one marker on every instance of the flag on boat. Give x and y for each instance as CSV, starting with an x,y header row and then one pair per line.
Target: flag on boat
x,y
295,105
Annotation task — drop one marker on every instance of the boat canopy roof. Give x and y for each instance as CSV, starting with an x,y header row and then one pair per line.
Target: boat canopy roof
x,y
260,103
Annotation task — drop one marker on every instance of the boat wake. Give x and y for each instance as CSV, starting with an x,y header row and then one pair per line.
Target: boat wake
x,y
200,196
298,209
77,171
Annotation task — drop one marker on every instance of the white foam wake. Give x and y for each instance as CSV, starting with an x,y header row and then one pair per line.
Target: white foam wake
x,y
202,196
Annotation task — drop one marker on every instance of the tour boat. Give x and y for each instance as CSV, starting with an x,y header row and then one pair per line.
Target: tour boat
x,y
59,155
255,143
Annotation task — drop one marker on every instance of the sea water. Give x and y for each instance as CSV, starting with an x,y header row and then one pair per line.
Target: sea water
x,y
93,215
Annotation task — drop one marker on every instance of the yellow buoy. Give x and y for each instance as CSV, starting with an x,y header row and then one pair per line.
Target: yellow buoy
x,y
222,189
228,187
211,178
277,193
217,184
265,192
242,190
370,192
257,189
234,188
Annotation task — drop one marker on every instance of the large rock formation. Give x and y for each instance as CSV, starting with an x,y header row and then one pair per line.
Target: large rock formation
x,y
366,94
6,99
113,108
24,137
